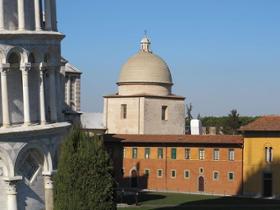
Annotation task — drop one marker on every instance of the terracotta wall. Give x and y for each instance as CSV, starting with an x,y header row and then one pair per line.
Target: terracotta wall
x,y
204,168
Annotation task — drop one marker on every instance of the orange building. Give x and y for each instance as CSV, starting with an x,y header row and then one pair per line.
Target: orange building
x,y
181,163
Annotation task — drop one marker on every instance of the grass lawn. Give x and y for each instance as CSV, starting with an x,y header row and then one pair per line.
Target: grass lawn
x,y
168,201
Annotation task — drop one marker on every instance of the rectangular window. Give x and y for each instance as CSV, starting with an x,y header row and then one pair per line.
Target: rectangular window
x,y
164,114
134,153
173,174
187,174
187,153
231,154
216,175
173,153
230,176
268,154
201,154
159,173
123,111
147,172
160,153
216,154
147,153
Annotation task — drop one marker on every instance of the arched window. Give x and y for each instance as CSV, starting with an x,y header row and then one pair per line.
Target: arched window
x,y
31,58
14,59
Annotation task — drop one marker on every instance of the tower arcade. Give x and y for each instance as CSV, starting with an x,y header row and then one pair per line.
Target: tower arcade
x,y
32,86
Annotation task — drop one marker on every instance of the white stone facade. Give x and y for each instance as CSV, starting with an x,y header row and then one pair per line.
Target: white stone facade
x,y
72,86
144,103
144,115
32,106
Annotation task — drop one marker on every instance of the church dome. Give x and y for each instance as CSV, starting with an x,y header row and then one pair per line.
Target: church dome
x,y
145,67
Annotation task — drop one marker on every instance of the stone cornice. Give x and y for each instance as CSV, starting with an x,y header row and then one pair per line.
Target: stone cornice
x,y
31,131
174,97
31,35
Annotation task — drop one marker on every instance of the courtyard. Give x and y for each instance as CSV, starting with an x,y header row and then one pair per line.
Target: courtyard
x,y
168,201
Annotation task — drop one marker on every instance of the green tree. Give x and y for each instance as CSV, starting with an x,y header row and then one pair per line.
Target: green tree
x,y
232,123
188,118
84,179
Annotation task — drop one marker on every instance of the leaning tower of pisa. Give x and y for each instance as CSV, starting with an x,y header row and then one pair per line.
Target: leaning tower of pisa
x,y
31,103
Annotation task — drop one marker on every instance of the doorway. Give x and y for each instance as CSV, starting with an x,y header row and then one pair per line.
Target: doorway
x,y
201,184
267,184
134,179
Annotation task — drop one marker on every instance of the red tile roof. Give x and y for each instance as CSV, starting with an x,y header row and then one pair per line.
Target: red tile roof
x,y
265,123
177,139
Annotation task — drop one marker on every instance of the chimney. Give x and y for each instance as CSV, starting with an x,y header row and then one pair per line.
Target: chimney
x,y
196,127
212,131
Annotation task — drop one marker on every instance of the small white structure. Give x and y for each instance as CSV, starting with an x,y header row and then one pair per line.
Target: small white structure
x,y
93,122
196,127
144,103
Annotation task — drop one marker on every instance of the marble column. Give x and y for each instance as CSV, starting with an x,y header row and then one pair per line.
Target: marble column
x,y
48,182
5,98
37,10
42,94
12,195
48,15
25,89
1,14
52,89
21,15
12,191
69,91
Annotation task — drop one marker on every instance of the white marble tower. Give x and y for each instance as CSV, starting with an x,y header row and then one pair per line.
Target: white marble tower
x,y
31,103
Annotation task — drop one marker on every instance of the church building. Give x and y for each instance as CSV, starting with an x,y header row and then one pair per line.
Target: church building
x,y
144,103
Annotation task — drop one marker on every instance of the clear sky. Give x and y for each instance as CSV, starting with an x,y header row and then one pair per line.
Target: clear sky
x,y
223,54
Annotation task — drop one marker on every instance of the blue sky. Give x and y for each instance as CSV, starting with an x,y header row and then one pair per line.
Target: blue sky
x,y
223,54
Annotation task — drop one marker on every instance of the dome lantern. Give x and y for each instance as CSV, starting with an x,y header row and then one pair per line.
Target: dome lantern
x,y
145,45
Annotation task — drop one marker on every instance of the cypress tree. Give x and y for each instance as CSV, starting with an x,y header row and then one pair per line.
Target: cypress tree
x,y
84,178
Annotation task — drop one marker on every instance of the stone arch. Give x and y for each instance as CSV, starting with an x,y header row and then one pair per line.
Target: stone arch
x,y
43,152
6,167
37,54
31,58
2,56
7,161
19,52
32,163
14,79
34,83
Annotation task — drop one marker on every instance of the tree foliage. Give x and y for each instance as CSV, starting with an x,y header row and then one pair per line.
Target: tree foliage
x,y
189,117
84,178
229,124
232,123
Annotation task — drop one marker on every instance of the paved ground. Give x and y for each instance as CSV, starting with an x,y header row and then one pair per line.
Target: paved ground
x,y
168,201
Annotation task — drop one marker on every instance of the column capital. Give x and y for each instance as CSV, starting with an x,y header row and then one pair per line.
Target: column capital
x,y
12,183
42,66
48,181
4,67
26,67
